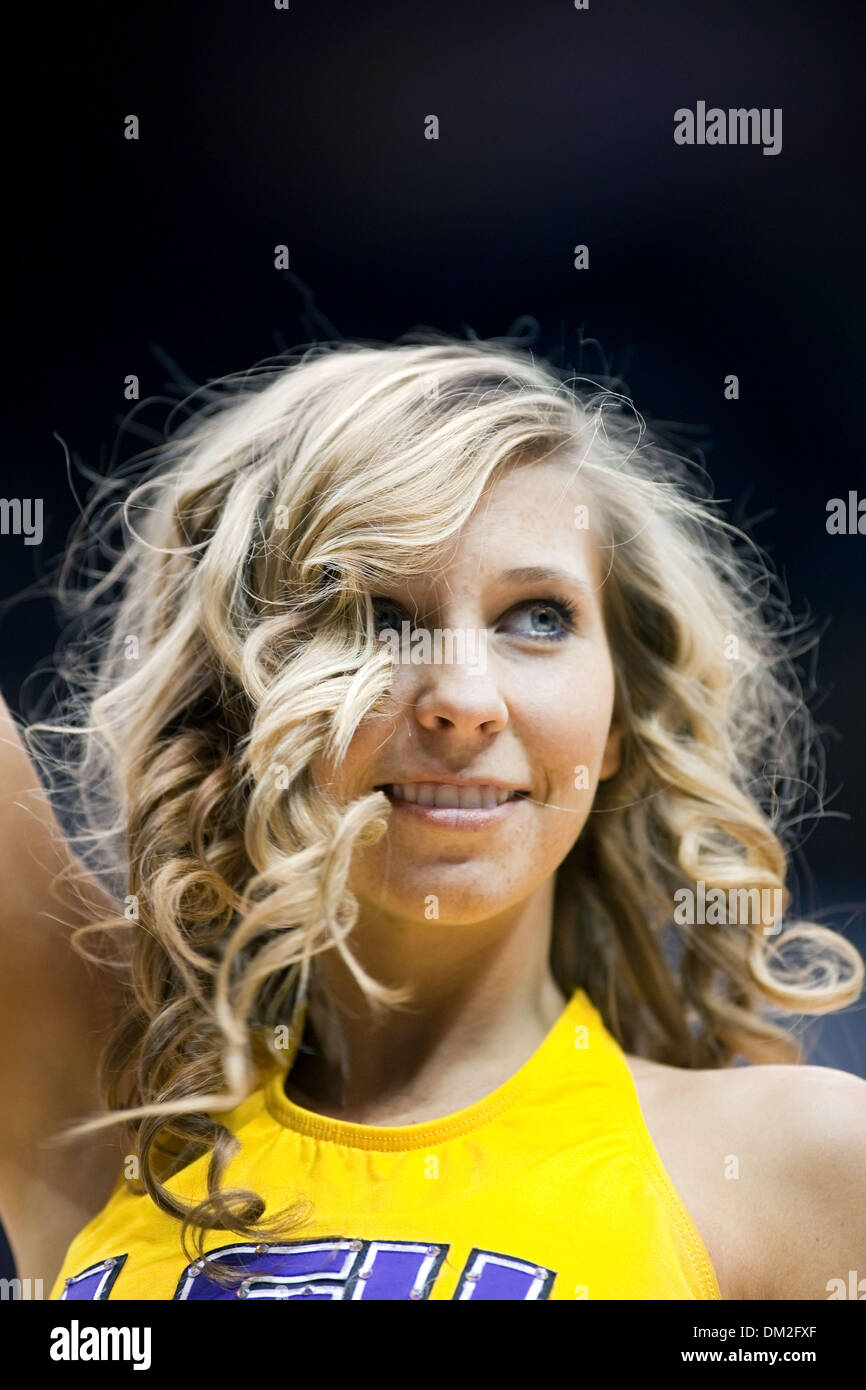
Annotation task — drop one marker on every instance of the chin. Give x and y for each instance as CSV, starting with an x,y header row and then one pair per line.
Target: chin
x,y
434,901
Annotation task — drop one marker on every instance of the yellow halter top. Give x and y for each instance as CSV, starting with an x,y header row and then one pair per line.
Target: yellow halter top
x,y
548,1188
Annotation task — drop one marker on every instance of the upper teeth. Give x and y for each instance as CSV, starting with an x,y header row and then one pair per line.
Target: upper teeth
x,y
446,794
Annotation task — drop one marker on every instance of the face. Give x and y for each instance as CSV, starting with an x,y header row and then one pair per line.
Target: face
x,y
491,765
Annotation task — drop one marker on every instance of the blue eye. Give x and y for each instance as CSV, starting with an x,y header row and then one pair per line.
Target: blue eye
x,y
538,619
387,614
549,619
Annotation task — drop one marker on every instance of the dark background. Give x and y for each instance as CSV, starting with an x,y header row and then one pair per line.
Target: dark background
x,y
306,127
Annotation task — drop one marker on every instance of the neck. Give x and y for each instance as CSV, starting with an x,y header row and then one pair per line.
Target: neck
x,y
483,1000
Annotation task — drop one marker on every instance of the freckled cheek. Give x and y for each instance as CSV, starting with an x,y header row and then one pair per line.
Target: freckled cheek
x,y
567,733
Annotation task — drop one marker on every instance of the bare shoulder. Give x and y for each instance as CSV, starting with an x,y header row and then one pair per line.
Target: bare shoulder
x,y
769,1162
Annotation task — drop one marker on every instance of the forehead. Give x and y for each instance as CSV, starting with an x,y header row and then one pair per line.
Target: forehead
x,y
529,515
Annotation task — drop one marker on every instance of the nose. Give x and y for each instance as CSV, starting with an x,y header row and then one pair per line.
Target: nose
x,y
461,699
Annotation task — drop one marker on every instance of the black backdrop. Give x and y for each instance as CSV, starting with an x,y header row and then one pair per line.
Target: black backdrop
x,y
306,127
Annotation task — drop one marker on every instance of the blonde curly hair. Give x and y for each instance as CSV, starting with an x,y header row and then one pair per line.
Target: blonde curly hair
x,y
230,641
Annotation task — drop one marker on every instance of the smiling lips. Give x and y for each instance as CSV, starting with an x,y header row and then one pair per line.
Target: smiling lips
x,y
452,796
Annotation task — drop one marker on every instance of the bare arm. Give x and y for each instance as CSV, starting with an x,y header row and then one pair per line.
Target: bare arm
x,y
55,1008
775,1158
816,1240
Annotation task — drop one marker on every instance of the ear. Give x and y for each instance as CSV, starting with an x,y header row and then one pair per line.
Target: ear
x,y
612,759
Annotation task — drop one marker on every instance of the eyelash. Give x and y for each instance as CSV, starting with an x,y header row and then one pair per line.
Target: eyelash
x,y
567,611
564,607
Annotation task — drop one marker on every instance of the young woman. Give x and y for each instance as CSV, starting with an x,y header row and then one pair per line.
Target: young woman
x,y
423,870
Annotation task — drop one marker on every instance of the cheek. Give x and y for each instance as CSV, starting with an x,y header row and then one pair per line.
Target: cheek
x,y
355,773
567,724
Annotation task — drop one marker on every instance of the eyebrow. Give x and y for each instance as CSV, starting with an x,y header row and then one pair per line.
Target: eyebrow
x,y
543,574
